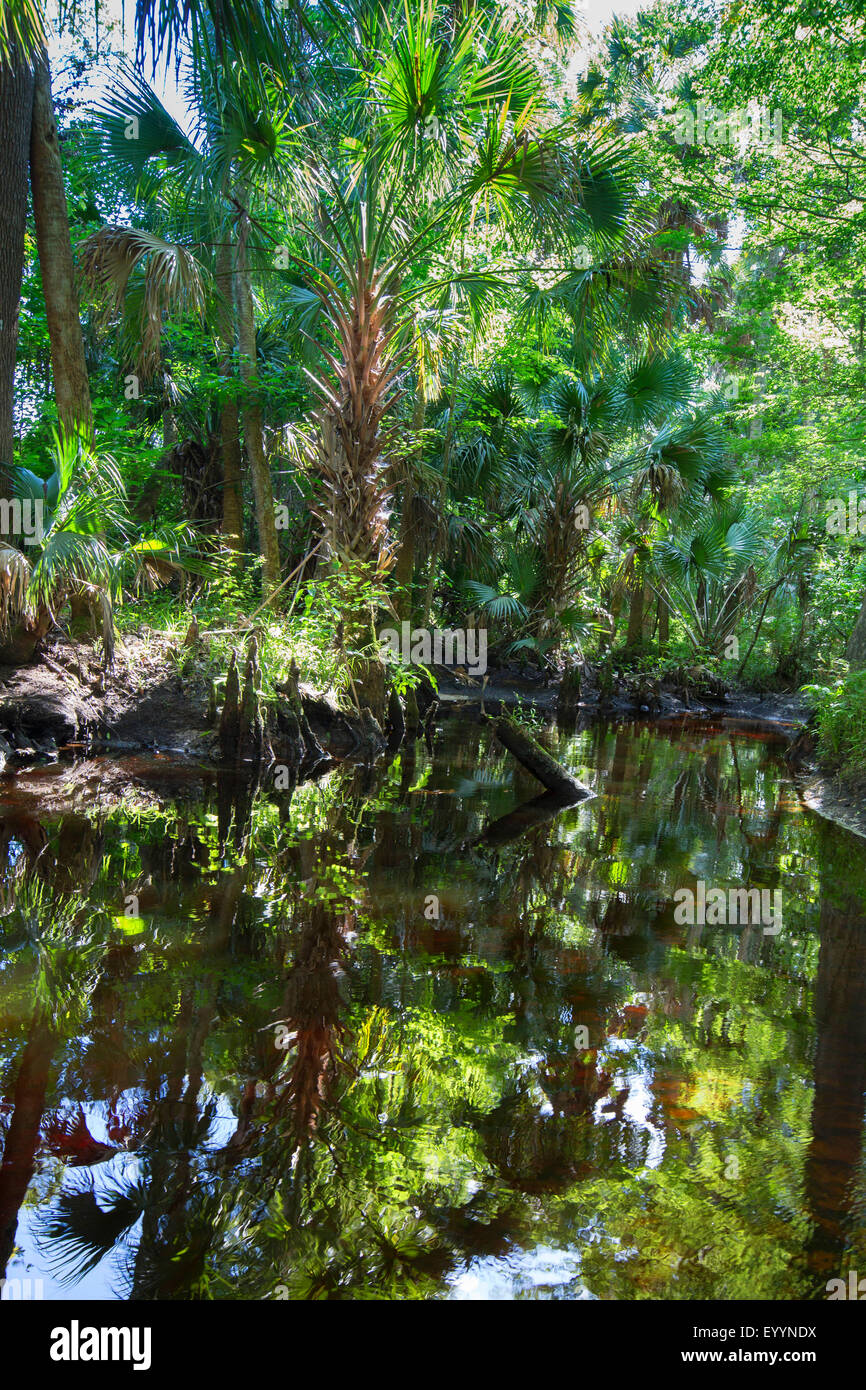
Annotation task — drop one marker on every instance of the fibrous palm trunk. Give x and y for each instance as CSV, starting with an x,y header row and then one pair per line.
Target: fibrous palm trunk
x,y
350,459
664,623
634,632
71,388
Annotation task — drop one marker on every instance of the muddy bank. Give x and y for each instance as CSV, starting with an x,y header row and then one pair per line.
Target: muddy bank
x,y
836,799
157,699
154,699
631,697
154,707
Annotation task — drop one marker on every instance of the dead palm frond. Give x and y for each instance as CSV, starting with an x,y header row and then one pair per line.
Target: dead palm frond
x,y
171,280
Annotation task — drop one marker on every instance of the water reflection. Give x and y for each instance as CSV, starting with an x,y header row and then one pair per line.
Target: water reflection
x,y
406,1032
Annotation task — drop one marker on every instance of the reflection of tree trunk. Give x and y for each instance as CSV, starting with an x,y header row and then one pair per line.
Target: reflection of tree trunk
x,y
840,1059
176,1234
22,1136
313,1006
71,388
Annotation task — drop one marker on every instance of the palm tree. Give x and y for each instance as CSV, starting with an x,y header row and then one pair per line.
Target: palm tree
x,y
255,30
707,572
211,219
451,139
85,554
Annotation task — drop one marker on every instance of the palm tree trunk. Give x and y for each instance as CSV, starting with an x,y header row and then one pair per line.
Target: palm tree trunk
x,y
71,388
16,114
648,625
16,119
260,473
232,522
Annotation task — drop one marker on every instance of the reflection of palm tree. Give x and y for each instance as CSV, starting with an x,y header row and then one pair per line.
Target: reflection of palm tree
x,y
67,953
22,1136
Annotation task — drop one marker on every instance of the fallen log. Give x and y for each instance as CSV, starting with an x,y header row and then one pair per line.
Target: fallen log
x,y
538,761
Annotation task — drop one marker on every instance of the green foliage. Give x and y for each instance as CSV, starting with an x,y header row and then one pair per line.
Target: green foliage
x,y
840,716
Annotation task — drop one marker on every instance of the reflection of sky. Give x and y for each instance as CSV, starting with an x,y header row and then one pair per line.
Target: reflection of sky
x,y
105,1281
544,1271
637,1110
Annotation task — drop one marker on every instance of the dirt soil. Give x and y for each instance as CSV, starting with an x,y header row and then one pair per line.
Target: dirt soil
x,y
65,701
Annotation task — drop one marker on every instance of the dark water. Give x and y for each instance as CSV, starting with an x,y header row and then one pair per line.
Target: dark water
x,y
391,1040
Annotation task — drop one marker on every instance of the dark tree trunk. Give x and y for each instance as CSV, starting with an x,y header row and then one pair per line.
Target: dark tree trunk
x,y
664,624
856,649
71,388
835,1154
22,1136
635,617
16,113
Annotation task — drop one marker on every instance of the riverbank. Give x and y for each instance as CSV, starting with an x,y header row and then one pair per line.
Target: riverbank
x,y
158,700
159,696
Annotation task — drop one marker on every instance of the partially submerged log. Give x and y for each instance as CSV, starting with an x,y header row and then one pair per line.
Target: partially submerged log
x,y
539,762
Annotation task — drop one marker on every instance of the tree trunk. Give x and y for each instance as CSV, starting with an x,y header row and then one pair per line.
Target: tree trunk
x,y
18,644
232,522
648,625
404,567
856,649
835,1155
16,115
635,617
260,473
71,388
664,624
